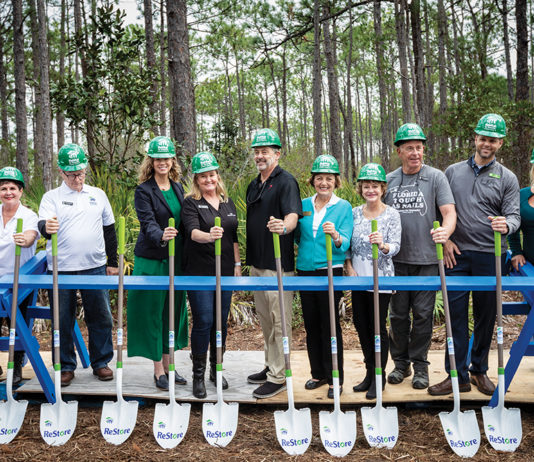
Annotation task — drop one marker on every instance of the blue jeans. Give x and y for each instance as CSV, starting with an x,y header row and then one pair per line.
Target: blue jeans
x,y
203,310
97,315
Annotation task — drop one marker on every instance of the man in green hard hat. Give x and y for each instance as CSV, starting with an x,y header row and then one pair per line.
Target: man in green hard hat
x,y
419,192
82,217
273,206
487,200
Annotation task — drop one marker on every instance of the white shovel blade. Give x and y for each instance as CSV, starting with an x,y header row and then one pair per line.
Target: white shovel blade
x,y
294,430
12,414
58,421
219,422
118,420
503,427
380,426
338,431
462,432
170,423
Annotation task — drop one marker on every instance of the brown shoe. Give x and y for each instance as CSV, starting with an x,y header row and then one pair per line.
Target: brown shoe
x,y
66,378
445,388
104,373
483,383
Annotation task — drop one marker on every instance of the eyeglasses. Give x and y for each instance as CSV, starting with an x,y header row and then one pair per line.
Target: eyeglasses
x,y
73,176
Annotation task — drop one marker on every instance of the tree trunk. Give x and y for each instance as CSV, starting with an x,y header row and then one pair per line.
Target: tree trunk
x,y
402,44
4,144
285,128
162,70
317,81
348,130
240,98
277,99
20,90
60,118
506,41
267,122
415,10
429,91
442,65
183,98
151,61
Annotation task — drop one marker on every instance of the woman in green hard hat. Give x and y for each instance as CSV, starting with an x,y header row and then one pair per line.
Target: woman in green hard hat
x,y
372,185
323,213
158,197
524,251
207,200
11,209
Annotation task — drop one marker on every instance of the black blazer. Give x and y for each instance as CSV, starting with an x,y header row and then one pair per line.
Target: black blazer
x,y
154,213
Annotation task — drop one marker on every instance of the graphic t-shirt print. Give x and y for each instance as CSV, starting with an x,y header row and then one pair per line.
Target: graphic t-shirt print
x,y
408,199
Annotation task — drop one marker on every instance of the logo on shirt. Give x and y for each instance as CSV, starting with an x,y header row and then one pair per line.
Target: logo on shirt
x,y
231,214
92,201
408,199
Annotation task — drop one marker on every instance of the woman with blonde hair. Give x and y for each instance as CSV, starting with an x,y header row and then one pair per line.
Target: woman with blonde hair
x,y
158,197
207,200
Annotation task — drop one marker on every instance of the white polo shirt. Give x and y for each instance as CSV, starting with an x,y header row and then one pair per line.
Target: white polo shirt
x,y
81,216
7,244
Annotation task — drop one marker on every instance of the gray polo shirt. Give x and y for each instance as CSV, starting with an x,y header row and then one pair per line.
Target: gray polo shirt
x,y
493,192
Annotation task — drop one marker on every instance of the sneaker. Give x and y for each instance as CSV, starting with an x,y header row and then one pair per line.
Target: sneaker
x,y
268,389
420,380
397,375
258,377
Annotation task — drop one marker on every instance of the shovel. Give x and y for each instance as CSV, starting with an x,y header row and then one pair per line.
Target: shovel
x,y
380,425
337,429
293,427
461,428
171,420
502,426
12,412
219,420
118,418
58,420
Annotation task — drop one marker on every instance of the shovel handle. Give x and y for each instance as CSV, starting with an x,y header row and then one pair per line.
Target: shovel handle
x,y
171,242
19,230
122,227
374,229
439,247
54,245
218,241
497,236
328,247
276,243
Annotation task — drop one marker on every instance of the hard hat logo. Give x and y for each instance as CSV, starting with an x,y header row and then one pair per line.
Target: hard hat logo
x,y
12,173
161,147
325,164
71,158
204,162
492,125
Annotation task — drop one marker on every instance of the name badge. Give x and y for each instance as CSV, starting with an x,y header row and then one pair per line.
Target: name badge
x,y
494,175
67,203
202,206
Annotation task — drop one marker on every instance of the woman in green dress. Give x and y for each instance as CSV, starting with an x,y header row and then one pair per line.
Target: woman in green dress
x,y
158,197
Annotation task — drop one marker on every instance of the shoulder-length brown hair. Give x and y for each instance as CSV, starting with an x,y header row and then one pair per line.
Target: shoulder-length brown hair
x,y
220,190
146,170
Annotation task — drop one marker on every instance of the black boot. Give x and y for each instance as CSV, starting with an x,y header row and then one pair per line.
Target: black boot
x,y
371,393
213,365
366,383
199,369
17,367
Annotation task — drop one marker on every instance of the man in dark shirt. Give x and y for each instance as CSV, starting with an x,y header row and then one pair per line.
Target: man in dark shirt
x,y
273,206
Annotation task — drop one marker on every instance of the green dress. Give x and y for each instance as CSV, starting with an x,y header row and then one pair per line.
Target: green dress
x,y
148,310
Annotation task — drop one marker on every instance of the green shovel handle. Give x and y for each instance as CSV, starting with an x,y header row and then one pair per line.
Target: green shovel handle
x,y
328,247
439,247
497,243
374,229
54,245
218,241
19,230
171,242
122,227
276,242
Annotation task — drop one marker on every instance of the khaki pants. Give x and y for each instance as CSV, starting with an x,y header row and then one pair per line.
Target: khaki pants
x,y
268,310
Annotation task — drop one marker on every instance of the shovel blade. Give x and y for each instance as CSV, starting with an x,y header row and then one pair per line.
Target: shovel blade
x,y
58,421
503,427
338,431
219,422
170,423
380,426
462,432
294,430
118,420
11,417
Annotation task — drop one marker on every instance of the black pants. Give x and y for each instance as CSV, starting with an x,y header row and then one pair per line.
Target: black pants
x,y
364,321
316,314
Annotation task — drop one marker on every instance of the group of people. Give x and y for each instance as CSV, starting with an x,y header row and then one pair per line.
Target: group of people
x,y
471,200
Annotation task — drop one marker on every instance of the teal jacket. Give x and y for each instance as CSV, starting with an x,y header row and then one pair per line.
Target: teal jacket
x,y
312,251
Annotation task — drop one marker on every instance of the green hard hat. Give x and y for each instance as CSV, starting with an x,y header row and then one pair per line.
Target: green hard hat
x,y
532,157
325,164
71,158
372,172
492,125
204,162
161,147
409,132
266,137
12,174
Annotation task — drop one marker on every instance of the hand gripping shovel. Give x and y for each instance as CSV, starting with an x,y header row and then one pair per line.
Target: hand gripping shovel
x,y
12,412
219,420
171,420
380,425
502,426
461,428
337,429
293,427
118,418
58,420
